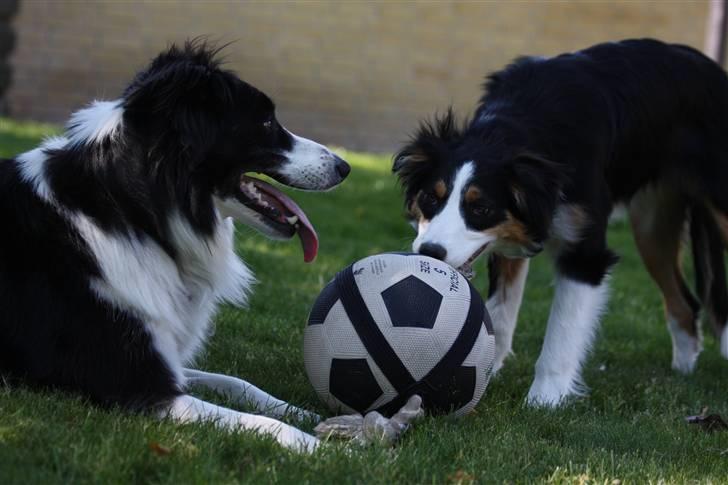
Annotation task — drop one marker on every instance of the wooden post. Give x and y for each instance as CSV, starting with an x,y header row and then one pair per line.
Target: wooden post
x,y
715,35
7,42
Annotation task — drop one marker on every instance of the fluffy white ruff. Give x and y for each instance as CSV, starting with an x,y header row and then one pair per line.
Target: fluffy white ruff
x,y
724,343
32,164
174,298
685,347
571,328
99,120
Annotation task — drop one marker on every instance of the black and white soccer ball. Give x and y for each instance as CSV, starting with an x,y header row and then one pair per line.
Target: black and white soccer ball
x,y
393,325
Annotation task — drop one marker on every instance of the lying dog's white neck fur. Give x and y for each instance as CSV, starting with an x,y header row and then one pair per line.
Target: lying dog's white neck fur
x,y
175,298
98,120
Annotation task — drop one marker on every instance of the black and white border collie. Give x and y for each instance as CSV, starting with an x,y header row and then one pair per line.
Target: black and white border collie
x,y
554,144
118,245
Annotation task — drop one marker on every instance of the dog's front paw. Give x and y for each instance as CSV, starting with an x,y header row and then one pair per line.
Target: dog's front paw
x,y
553,391
499,359
685,348
303,415
296,440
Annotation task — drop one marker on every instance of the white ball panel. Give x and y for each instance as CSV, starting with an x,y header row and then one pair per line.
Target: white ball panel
x,y
483,351
340,333
481,357
388,391
416,347
317,358
450,320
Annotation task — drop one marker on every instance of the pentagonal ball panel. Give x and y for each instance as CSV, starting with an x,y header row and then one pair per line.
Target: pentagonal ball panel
x,y
412,303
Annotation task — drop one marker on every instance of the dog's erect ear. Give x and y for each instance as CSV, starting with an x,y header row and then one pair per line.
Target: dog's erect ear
x,y
536,183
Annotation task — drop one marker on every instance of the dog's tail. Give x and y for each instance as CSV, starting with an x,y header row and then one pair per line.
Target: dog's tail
x,y
710,275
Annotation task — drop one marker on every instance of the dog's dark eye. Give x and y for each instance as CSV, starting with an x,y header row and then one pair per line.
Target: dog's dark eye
x,y
480,211
427,199
268,124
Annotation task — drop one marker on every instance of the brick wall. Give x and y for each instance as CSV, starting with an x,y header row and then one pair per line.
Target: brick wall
x,y
351,73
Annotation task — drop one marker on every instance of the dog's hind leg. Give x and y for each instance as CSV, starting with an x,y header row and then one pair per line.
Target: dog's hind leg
x,y
186,408
507,281
712,277
658,217
245,393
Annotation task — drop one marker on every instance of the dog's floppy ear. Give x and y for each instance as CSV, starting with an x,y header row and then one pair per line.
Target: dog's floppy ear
x,y
407,158
183,88
178,81
536,184
413,162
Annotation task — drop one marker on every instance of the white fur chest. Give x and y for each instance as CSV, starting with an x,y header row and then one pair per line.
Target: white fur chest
x,y
175,299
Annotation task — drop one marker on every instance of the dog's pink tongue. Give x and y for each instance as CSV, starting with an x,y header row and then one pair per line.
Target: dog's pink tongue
x,y
304,228
309,239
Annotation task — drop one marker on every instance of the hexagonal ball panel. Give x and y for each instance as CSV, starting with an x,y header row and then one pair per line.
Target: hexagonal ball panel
x,y
351,381
412,303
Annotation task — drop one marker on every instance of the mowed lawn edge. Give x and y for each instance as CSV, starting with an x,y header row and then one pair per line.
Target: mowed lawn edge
x,y
631,426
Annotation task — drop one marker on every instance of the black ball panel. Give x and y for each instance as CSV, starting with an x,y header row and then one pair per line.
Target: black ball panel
x,y
439,396
323,304
452,393
352,382
412,303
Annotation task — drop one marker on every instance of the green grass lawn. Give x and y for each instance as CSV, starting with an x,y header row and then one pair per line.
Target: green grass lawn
x,y
630,427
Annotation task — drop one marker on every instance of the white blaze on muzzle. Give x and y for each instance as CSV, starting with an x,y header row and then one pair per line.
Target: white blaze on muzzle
x,y
311,166
448,229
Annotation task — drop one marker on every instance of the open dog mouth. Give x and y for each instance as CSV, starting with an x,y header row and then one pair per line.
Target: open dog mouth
x,y
279,212
466,269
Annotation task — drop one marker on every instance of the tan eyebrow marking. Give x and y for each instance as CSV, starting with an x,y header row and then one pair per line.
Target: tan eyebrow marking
x,y
414,210
472,194
510,230
440,189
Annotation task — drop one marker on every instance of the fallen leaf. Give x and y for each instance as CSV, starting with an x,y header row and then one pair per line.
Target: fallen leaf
x,y
460,477
708,422
159,449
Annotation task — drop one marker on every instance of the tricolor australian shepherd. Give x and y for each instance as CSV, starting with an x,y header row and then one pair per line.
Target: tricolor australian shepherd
x,y
118,241
554,144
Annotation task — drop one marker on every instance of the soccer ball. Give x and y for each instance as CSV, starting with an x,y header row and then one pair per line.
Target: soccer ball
x,y
393,325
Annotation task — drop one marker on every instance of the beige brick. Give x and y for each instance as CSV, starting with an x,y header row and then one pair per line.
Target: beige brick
x,y
352,73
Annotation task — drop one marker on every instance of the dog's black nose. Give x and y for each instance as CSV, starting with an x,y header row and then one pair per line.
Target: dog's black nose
x,y
342,168
433,250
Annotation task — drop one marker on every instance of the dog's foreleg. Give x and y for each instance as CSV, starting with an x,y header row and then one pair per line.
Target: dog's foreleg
x,y
571,327
507,281
187,409
245,393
